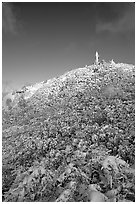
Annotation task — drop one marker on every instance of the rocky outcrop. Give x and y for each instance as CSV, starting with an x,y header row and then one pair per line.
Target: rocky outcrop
x,y
11,99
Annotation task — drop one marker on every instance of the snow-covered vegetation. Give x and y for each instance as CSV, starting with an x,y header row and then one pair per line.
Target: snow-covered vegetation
x,y
73,139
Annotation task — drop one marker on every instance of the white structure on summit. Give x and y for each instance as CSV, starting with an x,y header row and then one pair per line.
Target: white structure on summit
x,y
112,62
97,58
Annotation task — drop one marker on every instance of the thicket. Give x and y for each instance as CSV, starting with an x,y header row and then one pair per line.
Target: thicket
x,y
74,132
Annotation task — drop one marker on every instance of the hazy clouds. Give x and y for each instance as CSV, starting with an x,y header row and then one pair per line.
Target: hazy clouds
x,y
115,17
9,19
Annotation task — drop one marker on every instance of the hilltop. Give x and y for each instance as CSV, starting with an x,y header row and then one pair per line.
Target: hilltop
x,y
63,136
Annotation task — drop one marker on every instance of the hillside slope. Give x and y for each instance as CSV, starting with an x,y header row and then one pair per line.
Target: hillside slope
x,y
60,140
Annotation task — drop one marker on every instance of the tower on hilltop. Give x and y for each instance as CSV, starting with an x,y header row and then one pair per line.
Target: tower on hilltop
x,y
96,58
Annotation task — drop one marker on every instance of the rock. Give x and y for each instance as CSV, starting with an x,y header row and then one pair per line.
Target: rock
x,y
96,196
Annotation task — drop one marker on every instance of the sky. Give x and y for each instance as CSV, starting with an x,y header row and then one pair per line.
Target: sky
x,y
44,40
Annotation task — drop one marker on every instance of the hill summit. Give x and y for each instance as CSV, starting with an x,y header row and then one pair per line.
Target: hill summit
x,y
64,137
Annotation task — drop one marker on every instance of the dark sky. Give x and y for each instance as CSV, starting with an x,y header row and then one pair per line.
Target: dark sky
x,y
44,40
